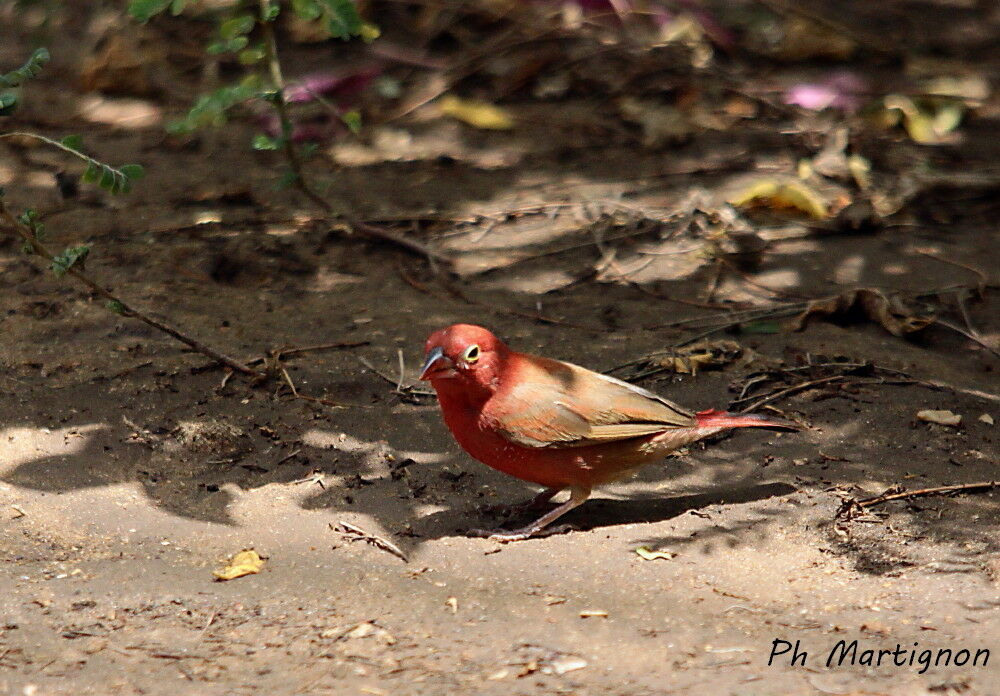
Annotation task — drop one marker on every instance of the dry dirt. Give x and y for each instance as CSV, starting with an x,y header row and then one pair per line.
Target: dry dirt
x,y
128,471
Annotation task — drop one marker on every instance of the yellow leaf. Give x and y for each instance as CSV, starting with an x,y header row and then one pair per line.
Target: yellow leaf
x,y
369,32
243,563
929,121
776,194
647,554
861,170
478,114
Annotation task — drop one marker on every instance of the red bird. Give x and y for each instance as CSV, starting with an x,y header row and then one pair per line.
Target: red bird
x,y
554,423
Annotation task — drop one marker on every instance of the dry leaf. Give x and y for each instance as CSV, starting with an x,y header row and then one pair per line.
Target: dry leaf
x,y
939,417
986,418
243,563
477,114
927,121
772,193
648,554
889,312
661,123
689,359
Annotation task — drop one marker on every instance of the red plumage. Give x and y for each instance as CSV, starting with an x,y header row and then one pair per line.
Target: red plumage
x,y
555,423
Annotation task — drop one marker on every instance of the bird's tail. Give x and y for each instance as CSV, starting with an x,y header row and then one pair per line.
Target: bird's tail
x,y
723,419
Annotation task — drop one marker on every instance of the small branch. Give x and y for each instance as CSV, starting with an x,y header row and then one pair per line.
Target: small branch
x,y
281,353
281,107
295,162
790,390
922,492
408,390
354,533
304,397
125,310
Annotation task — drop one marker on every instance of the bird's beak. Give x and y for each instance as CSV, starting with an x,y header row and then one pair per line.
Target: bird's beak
x,y
437,365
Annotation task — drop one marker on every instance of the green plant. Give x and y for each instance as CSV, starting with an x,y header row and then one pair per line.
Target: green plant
x,y
249,34
71,261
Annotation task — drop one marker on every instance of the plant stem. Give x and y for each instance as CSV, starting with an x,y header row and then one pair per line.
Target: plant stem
x,y
41,250
295,162
278,80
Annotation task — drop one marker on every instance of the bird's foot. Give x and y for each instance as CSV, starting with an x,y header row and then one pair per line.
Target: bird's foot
x,y
505,537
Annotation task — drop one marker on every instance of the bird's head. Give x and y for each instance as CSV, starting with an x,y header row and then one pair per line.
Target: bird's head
x,y
470,355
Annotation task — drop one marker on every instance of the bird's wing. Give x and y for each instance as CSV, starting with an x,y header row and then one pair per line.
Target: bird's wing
x,y
547,403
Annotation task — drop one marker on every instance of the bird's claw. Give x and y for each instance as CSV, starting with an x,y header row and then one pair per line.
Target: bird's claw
x,y
502,537
505,537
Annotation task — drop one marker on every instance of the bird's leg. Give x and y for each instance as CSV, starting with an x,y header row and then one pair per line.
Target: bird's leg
x,y
534,504
539,500
578,494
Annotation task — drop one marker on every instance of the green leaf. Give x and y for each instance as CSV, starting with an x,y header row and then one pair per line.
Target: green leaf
x,y
307,9
210,109
8,102
132,172
27,71
69,258
272,12
73,142
251,56
352,119
342,18
265,142
237,26
144,10
29,218
115,306
108,180
287,179
93,172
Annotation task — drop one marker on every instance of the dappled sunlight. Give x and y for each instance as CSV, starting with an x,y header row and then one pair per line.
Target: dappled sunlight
x,y
848,272
21,446
324,439
132,114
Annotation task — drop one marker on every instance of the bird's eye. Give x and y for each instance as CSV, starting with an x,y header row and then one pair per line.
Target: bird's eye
x,y
471,354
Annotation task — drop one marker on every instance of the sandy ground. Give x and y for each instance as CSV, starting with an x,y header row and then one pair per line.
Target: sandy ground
x,y
129,472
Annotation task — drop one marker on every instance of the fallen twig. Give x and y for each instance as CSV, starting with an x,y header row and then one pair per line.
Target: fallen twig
x,y
922,492
407,390
304,397
280,353
801,386
295,161
120,306
355,533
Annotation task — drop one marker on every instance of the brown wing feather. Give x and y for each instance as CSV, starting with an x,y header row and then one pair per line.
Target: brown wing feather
x,y
548,403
